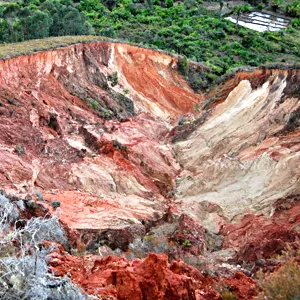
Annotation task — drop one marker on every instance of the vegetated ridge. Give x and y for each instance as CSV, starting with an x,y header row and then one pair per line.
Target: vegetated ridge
x,y
195,29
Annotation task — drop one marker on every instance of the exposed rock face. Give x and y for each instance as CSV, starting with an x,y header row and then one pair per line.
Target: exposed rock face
x,y
105,174
259,238
150,278
89,128
244,149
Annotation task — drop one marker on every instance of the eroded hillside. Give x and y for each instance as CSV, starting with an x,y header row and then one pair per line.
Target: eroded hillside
x,y
60,107
248,144
91,126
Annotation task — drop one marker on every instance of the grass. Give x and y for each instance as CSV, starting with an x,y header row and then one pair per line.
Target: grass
x,y
31,46
9,50
284,283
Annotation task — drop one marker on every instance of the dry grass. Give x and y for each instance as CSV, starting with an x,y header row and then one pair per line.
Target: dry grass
x,y
31,46
283,284
52,43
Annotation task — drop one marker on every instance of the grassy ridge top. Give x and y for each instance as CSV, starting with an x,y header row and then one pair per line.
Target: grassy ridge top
x,y
31,46
10,50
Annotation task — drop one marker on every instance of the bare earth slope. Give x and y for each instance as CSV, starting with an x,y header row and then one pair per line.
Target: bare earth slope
x,y
54,105
247,146
100,145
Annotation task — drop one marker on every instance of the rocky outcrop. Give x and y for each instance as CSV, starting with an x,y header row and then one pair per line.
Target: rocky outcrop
x,y
258,239
150,278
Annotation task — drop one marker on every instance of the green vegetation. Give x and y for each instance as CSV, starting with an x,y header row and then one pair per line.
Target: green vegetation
x,y
283,284
20,149
38,19
55,204
229,296
118,146
293,9
189,29
113,78
183,66
225,291
186,28
93,103
187,243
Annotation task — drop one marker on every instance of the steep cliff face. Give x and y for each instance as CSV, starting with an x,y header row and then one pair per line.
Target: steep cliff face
x,y
90,126
81,71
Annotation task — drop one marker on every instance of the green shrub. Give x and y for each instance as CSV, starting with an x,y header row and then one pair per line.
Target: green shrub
x,y
187,243
93,103
275,4
20,149
225,291
183,66
293,9
55,204
169,3
113,78
283,283
260,6
296,22
108,114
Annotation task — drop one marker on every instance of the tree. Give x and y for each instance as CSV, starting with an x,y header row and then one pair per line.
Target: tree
x,y
276,4
9,14
10,11
169,3
188,4
110,4
57,27
91,6
4,32
183,66
38,25
239,10
73,23
149,4
108,31
221,3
